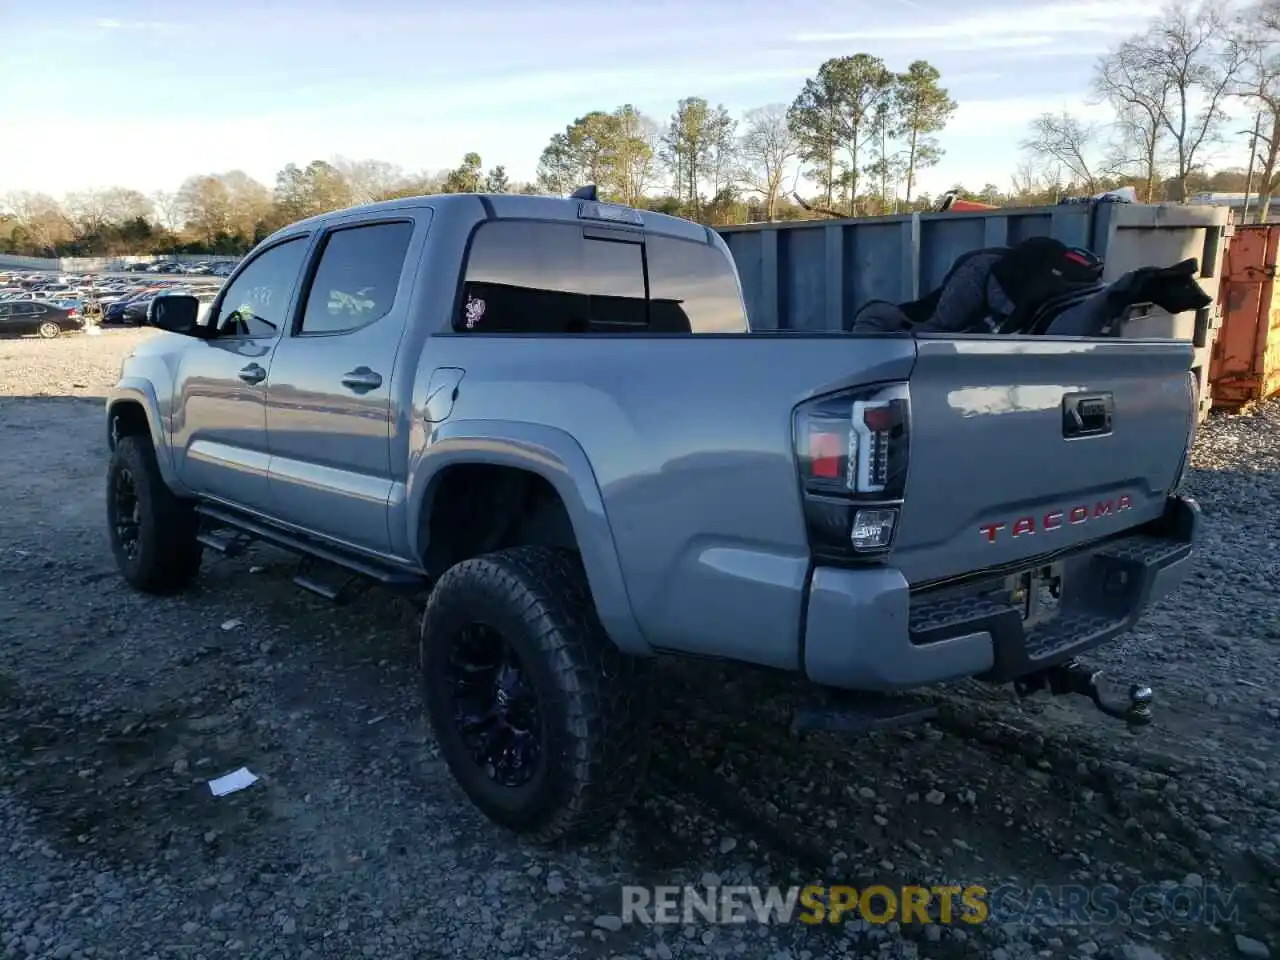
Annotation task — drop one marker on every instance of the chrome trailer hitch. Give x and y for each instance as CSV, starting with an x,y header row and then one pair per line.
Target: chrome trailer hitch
x,y
1075,677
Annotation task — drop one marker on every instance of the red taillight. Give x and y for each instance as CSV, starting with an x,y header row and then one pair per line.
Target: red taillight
x,y
73,312
852,451
878,419
826,448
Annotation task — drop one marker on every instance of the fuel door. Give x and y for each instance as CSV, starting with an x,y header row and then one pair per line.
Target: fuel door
x,y
442,391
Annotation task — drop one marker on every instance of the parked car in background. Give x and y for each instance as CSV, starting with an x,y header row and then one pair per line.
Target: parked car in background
x,y
114,313
135,311
47,320
75,304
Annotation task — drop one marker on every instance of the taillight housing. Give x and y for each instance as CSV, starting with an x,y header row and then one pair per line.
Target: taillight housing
x,y
852,451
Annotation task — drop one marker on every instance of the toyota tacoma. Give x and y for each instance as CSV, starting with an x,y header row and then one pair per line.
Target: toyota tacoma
x,y
551,418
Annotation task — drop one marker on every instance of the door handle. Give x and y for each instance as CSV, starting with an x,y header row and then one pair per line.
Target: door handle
x,y
361,380
253,374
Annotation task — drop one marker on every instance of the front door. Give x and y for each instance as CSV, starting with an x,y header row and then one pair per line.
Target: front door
x,y
219,417
330,387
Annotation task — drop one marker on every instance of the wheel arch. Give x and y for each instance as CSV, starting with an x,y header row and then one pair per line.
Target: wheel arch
x,y
134,409
557,460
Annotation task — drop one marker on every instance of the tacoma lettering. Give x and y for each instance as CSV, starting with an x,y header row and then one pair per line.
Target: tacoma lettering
x,y
1053,520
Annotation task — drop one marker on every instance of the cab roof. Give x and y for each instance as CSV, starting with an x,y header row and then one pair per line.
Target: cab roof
x,y
512,206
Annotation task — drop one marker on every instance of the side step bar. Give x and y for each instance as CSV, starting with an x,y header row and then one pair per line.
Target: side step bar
x,y
246,529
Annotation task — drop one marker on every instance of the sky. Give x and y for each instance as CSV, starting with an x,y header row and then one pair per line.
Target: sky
x,y
142,94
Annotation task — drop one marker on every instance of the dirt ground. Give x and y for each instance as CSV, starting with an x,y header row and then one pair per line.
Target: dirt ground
x,y
116,709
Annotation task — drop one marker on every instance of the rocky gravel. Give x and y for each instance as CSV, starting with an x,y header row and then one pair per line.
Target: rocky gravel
x,y
116,709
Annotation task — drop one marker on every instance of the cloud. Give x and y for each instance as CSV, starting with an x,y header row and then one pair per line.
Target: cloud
x,y
1015,27
974,118
447,95
149,26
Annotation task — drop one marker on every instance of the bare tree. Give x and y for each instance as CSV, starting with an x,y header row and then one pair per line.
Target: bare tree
x,y
248,204
168,209
370,180
767,148
88,210
205,204
1069,142
1140,98
1189,49
42,218
1258,33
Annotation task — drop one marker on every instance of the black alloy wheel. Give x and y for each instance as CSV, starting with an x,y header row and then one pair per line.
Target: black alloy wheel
x,y
495,706
127,513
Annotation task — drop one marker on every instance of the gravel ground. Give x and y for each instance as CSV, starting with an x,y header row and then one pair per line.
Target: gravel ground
x,y
115,709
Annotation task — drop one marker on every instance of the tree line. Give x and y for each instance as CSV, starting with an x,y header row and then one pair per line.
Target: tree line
x,y
854,140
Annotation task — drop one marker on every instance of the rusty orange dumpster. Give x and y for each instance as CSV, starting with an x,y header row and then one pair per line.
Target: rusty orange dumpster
x,y
1245,364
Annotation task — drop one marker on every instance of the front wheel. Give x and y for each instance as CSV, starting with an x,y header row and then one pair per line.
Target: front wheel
x,y
541,720
153,532
48,330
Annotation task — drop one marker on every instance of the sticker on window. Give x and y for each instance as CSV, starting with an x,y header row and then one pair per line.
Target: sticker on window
x,y
473,311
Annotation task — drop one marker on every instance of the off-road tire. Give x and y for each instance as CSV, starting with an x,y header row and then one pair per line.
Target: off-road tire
x,y
168,554
594,701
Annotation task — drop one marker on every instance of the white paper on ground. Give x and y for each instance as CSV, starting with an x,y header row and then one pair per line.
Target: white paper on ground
x,y
233,781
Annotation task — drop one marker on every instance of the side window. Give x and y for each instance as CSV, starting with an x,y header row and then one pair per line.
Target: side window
x,y
356,280
694,284
255,302
525,277
24,309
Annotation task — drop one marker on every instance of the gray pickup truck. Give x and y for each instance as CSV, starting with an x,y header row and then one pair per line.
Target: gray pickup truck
x,y
552,414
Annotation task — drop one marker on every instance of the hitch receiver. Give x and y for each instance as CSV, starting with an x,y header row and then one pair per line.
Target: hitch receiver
x,y
1074,677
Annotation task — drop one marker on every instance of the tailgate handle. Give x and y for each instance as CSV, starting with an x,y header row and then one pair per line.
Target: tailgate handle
x,y
1086,415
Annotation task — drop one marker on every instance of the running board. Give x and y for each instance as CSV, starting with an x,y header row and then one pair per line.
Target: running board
x,y
231,546
247,528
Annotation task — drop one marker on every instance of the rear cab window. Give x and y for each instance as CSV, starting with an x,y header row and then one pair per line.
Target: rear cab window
x,y
533,277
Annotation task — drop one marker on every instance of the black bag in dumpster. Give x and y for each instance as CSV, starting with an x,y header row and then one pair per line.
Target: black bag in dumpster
x,y
992,290
1172,289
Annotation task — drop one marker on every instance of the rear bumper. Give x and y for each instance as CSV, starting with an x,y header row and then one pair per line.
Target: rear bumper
x,y
867,630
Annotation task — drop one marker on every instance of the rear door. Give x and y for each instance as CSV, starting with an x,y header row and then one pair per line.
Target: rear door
x,y
1021,447
329,393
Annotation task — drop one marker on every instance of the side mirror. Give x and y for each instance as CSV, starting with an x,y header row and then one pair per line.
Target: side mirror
x,y
176,313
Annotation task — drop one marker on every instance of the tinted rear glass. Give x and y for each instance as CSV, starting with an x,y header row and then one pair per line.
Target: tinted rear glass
x,y
551,278
695,280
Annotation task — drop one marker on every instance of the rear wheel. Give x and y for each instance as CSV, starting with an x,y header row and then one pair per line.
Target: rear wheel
x,y
48,330
153,532
542,721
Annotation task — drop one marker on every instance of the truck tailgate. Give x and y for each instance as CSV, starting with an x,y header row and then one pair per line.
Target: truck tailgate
x,y
1022,447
